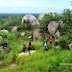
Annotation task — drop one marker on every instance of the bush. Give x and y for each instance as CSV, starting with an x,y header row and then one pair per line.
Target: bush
x,y
45,21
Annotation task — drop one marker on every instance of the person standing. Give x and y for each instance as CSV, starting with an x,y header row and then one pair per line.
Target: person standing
x,y
24,47
51,39
56,40
5,42
29,47
45,45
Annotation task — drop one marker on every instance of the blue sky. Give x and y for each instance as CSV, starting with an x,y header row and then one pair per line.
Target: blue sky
x,y
33,6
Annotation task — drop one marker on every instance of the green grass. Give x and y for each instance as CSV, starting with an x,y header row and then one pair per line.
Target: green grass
x,y
40,61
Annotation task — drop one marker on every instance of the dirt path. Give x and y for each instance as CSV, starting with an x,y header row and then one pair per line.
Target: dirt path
x,y
12,65
26,52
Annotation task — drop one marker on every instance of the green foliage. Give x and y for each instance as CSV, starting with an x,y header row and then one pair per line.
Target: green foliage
x,y
45,21
40,61
67,15
24,26
65,40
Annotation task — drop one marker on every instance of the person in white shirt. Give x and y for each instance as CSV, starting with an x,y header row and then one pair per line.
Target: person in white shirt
x,y
45,45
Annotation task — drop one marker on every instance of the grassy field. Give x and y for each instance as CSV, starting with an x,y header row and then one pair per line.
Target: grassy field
x,y
40,61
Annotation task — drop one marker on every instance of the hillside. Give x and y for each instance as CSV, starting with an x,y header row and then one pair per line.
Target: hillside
x,y
58,58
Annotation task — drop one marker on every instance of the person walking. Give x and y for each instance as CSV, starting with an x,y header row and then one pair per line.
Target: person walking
x,y
24,47
45,45
5,42
29,47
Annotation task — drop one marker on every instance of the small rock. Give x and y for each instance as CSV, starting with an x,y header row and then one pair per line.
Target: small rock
x,y
41,16
29,37
14,29
22,34
70,46
56,46
12,65
4,31
57,33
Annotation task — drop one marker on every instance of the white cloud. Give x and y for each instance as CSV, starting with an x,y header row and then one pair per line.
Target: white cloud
x,y
21,3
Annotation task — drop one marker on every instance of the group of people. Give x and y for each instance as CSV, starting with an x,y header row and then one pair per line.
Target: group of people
x,y
45,43
24,46
51,39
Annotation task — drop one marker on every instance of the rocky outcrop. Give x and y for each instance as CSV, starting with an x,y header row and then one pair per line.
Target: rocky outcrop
x,y
36,34
57,33
51,13
52,27
70,46
40,17
4,31
31,18
22,34
13,29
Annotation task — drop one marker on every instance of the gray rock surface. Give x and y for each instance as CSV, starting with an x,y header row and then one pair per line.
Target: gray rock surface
x,y
52,27
70,46
13,29
4,31
40,17
36,34
31,18
22,34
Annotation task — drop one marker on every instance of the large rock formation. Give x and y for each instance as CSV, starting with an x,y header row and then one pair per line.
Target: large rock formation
x,y
31,18
13,29
52,27
70,46
36,34
4,31
1,39
40,17
51,13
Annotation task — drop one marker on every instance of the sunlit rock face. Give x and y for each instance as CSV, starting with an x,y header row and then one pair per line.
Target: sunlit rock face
x,y
31,18
52,27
